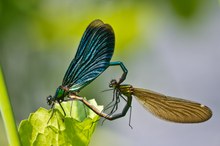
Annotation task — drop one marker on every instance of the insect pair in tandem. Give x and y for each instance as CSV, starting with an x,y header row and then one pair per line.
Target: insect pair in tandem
x,y
93,58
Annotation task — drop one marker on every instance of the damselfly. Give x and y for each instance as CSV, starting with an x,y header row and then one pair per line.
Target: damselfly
x,y
92,58
165,107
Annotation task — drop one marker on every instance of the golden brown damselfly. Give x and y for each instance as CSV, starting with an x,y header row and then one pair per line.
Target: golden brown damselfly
x,y
165,107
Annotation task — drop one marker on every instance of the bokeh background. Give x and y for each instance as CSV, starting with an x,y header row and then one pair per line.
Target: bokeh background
x,y
169,46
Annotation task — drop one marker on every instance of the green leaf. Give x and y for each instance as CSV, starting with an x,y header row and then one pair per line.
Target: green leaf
x,y
74,130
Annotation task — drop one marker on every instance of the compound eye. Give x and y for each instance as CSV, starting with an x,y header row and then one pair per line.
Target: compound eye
x,y
49,98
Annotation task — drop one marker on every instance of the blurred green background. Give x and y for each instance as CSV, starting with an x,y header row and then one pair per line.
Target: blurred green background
x,y
168,46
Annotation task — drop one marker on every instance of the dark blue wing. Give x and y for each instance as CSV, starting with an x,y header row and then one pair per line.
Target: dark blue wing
x,y
92,57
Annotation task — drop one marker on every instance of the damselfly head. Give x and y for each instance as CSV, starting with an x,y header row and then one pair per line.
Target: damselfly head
x,y
50,100
113,83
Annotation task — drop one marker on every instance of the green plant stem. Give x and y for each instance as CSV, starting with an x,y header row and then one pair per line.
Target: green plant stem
x,y
7,114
